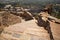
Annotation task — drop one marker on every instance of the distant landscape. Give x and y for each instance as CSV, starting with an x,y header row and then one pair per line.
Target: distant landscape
x,y
34,5
30,1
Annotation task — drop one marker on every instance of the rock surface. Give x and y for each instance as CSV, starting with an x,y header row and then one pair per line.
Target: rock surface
x,y
30,31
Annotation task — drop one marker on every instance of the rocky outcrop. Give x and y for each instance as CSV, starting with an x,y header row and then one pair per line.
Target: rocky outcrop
x,y
30,31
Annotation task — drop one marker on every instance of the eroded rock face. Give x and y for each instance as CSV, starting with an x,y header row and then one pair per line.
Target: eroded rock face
x,y
7,19
26,15
30,31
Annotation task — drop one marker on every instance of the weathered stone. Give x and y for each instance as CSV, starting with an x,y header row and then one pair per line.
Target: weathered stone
x,y
30,31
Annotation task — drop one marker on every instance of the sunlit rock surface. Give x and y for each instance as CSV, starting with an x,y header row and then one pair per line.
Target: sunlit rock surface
x,y
30,31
